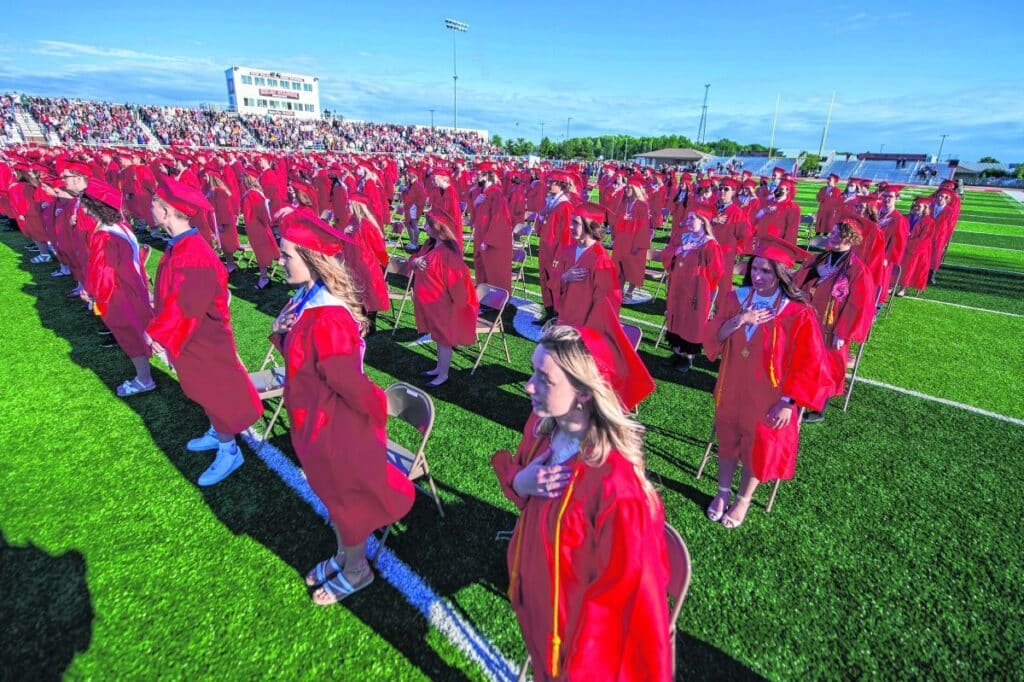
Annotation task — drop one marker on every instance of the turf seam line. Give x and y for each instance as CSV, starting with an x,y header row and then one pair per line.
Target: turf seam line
x,y
960,305
438,612
943,401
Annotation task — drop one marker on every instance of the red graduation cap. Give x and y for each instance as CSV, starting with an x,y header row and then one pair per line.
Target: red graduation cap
x,y
790,184
893,189
101,191
591,211
305,188
945,192
181,196
560,176
65,163
619,364
308,231
833,176
779,250
731,183
854,220
778,171
443,221
486,167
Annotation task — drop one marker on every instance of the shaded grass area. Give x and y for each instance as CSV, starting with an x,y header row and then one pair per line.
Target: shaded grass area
x,y
864,565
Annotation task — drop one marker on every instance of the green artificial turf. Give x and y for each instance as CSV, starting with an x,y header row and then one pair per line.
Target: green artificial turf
x,y
894,553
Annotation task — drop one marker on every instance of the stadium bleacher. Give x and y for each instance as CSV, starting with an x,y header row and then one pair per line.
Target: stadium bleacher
x,y
72,121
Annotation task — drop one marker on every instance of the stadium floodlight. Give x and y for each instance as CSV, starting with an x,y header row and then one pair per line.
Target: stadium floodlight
x,y
455,27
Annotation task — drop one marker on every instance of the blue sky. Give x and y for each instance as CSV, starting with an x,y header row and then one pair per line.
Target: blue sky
x,y
905,73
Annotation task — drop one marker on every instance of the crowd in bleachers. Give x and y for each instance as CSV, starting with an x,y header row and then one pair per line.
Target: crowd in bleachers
x,y
340,135
76,121
196,127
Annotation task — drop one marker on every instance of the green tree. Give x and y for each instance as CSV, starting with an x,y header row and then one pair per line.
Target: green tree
x,y
496,140
988,159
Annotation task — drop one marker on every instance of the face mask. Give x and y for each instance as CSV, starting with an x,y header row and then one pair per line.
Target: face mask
x,y
851,189
779,193
480,183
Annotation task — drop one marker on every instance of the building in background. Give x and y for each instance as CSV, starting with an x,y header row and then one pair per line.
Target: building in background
x,y
262,92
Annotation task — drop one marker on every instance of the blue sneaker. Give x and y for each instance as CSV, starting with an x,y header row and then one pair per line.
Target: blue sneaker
x,y
229,458
207,441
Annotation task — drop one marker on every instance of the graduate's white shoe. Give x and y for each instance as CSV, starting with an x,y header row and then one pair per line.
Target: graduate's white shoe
x,y
228,458
207,441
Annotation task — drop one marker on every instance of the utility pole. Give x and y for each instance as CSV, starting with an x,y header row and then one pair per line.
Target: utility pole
x,y
938,158
775,120
432,119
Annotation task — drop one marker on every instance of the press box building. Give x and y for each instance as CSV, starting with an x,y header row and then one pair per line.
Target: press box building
x,y
262,92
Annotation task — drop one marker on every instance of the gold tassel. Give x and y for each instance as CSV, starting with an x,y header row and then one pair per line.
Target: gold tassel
x,y
771,357
556,641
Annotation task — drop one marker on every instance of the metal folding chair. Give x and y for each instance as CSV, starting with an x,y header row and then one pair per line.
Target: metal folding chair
x,y
860,354
519,268
494,300
654,274
521,236
897,274
398,266
269,383
414,407
634,334
711,446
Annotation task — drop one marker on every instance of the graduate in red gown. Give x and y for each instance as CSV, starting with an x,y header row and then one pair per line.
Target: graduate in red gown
x,y
220,196
443,293
256,214
589,294
693,262
414,199
842,293
338,415
749,202
117,282
633,238
895,231
871,250
829,196
732,229
492,233
26,198
553,233
773,362
365,256
945,217
588,568
917,257
74,221
445,195
192,323
779,215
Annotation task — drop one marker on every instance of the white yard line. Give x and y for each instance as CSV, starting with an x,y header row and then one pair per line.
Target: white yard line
x,y
960,305
944,401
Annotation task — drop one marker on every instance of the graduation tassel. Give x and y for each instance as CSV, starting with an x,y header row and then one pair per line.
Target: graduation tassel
x,y
556,641
771,357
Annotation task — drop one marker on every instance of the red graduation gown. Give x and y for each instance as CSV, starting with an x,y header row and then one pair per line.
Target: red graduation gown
x,y
26,208
632,240
338,421
227,219
257,228
830,200
193,322
117,282
612,577
784,357
844,303
595,301
692,281
945,223
917,258
362,256
894,229
779,218
871,250
492,225
734,233
445,299
553,233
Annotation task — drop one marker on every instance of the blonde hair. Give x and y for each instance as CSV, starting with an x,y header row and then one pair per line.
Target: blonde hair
x,y
336,276
708,231
610,427
639,193
363,212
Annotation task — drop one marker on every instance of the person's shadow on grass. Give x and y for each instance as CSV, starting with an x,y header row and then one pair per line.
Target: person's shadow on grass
x,y
46,612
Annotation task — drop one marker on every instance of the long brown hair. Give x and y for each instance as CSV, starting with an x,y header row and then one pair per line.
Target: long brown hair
x,y
785,277
105,213
336,276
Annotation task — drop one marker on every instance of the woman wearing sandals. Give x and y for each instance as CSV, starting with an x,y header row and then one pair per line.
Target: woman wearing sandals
x,y
338,415
588,568
117,282
773,361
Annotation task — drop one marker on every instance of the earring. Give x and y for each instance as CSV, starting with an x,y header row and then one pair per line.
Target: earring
x,y
579,406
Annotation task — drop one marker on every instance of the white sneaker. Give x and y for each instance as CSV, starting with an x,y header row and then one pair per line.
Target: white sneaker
x,y
229,458
207,441
41,258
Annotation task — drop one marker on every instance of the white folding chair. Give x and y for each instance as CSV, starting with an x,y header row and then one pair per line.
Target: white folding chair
x,y
521,236
494,300
655,274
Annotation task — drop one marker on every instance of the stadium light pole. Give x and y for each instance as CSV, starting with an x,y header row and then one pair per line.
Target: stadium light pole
x,y
567,122
828,120
542,131
775,120
432,118
455,27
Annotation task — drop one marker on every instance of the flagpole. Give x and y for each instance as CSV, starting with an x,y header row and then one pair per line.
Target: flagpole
x,y
828,120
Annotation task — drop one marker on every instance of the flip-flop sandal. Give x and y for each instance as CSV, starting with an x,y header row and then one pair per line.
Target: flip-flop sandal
x,y
134,387
338,588
716,517
324,571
